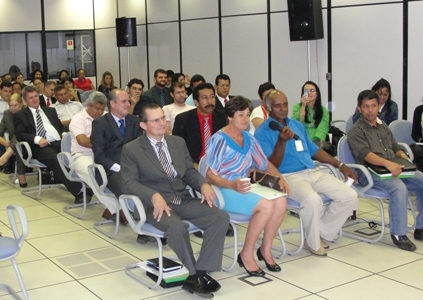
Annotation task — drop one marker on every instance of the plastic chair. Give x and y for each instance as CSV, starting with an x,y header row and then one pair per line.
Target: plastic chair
x,y
256,102
33,163
237,219
10,247
128,204
105,192
401,129
88,93
368,191
341,124
83,99
349,124
67,165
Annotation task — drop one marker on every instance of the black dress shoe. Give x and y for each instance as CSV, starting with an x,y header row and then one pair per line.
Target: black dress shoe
x,y
196,285
89,192
7,170
164,241
23,185
198,234
403,242
144,239
211,284
79,199
272,268
257,273
418,234
230,231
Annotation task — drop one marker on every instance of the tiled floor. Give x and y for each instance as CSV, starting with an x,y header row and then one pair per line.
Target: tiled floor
x,y
65,258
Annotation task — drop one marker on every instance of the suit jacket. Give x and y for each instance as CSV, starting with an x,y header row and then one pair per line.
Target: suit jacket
x,y
6,125
25,128
152,92
143,174
187,126
107,140
43,100
219,105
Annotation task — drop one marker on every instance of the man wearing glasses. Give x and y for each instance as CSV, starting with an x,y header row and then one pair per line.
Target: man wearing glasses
x,y
222,86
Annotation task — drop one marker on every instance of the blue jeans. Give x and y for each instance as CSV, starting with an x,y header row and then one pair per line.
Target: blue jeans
x,y
398,197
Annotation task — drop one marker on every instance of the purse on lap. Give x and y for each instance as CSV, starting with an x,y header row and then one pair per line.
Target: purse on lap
x,y
265,179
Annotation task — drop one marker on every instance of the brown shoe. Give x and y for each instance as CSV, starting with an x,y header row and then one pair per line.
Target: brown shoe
x,y
320,252
122,219
108,215
324,244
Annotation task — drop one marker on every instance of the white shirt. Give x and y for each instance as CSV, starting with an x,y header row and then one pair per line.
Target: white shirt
x,y
165,149
3,107
222,100
51,133
66,111
172,110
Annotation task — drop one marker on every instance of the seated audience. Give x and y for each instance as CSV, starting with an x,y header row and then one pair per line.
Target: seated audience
x,y
40,127
292,152
388,109
47,97
81,149
195,80
156,168
107,83
311,113
62,74
417,135
5,93
169,74
20,79
231,152
73,93
37,74
223,87
82,82
371,141
178,93
65,108
159,92
16,88
260,113
39,86
6,125
135,89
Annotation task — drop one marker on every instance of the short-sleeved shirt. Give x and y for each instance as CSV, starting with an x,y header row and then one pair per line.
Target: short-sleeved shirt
x,y
293,160
83,85
258,112
68,110
364,138
81,124
172,110
230,161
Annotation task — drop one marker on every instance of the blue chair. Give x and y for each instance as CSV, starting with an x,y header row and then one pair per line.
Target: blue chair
x,y
237,219
22,148
368,191
67,165
401,129
349,124
10,247
128,204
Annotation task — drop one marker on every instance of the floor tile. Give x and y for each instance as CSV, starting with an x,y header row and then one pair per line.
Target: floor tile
x,y
407,273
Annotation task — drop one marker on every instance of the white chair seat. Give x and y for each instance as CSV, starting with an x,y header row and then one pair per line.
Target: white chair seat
x,y
8,248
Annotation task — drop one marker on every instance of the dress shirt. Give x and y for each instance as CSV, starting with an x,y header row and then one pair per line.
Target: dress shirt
x,y
51,133
66,111
3,107
165,150
116,167
222,100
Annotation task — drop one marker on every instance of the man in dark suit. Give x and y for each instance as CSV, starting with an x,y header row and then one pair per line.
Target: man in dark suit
x,y
110,132
157,168
47,99
190,125
159,92
223,87
40,127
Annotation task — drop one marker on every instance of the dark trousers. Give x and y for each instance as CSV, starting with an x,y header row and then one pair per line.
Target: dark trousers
x,y
212,220
48,156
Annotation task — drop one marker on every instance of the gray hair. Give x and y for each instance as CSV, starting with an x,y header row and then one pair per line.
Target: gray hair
x,y
28,89
267,98
96,97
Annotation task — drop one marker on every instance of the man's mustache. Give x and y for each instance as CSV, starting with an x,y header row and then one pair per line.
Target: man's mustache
x,y
210,105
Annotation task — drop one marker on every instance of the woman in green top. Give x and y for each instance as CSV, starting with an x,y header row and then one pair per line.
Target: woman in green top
x,y
311,113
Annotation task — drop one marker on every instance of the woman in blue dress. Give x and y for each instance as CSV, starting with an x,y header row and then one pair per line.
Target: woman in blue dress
x,y
231,153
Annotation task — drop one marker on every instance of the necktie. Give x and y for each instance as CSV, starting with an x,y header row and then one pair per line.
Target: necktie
x,y
122,127
226,100
207,131
161,95
167,167
40,127
48,102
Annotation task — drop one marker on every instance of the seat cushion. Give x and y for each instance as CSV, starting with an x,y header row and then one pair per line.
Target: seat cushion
x,y
8,247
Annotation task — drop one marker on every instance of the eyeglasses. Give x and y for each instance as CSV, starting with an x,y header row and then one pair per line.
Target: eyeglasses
x,y
310,91
157,121
224,85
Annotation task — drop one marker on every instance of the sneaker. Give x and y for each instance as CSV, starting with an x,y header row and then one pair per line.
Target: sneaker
x,y
320,252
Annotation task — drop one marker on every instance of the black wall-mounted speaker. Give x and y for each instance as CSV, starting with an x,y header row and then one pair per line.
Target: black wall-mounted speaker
x,y
305,20
126,32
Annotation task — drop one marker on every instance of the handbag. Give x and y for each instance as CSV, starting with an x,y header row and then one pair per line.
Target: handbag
x,y
265,179
48,177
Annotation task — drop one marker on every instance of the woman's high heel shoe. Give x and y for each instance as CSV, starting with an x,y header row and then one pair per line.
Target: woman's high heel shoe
x,y
258,273
272,268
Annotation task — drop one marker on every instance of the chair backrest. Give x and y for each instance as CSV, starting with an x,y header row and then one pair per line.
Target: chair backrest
x,y
88,93
202,166
100,188
66,142
23,147
83,98
256,102
341,124
401,130
19,237
349,125
344,152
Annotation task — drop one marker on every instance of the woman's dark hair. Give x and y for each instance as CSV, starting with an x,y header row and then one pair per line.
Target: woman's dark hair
x,y
237,103
63,71
67,78
36,71
380,84
318,110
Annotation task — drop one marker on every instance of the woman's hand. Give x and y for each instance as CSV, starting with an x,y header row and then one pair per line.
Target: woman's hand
x,y
305,100
241,185
73,94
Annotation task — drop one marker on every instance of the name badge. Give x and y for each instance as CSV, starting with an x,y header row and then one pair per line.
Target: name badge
x,y
299,145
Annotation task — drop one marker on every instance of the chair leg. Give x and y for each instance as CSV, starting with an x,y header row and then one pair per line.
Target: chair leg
x,y
98,225
18,274
234,246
